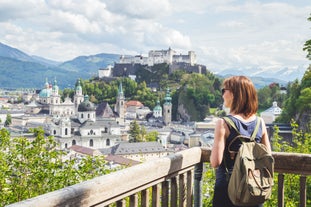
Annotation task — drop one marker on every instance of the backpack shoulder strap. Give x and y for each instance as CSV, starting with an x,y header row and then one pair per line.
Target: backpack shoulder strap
x,y
232,124
258,121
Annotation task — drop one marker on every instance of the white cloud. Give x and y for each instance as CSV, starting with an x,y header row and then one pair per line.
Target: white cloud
x,y
223,33
141,9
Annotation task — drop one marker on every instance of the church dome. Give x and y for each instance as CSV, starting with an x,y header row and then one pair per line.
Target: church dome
x,y
86,105
45,93
157,107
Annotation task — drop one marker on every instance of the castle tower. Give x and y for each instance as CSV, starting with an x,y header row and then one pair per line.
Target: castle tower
x,y
78,97
167,108
120,105
192,58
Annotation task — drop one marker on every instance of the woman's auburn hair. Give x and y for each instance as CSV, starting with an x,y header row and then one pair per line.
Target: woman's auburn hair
x,y
245,100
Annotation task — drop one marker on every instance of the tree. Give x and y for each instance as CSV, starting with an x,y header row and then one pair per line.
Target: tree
x,y
8,120
152,136
29,168
307,45
134,131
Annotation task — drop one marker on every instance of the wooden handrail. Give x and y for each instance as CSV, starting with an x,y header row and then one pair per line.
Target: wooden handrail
x,y
128,182
285,162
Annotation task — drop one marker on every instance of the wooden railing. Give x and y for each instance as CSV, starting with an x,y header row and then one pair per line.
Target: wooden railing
x,y
169,181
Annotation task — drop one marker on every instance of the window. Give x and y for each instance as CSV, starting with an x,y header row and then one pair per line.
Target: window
x,y
73,142
108,142
91,143
54,132
66,146
66,131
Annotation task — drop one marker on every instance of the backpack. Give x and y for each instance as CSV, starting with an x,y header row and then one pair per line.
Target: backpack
x,y
251,180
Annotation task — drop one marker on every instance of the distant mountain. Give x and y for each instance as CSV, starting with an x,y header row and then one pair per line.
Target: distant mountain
x,y
90,64
19,70
23,74
10,52
44,61
281,75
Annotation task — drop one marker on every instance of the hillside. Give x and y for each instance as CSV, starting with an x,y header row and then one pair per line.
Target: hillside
x,y
21,74
19,70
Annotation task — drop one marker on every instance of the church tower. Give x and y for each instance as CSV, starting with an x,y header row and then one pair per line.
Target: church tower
x,y
55,97
78,97
55,100
167,108
120,105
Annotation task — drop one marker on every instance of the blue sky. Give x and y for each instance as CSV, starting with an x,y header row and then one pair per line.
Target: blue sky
x,y
223,33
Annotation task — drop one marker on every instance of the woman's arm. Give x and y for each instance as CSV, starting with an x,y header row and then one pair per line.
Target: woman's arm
x,y
221,129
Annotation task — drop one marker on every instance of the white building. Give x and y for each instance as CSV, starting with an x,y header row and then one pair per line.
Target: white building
x,y
271,113
160,56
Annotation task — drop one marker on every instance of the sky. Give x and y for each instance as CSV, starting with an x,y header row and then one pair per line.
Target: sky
x,y
223,33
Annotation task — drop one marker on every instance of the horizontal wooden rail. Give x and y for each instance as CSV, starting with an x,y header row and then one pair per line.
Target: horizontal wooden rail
x,y
114,187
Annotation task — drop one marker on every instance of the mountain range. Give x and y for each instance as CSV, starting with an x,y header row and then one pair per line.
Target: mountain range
x,y
20,70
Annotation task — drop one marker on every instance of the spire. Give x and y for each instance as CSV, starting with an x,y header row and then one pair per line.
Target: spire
x,y
167,98
79,88
55,87
46,83
120,90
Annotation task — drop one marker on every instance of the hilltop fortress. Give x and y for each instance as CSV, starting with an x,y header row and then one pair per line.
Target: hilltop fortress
x,y
160,56
128,65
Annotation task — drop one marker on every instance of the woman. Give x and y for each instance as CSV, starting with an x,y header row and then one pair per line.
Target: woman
x,y
240,97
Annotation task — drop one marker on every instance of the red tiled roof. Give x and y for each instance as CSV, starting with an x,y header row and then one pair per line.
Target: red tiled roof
x,y
121,160
82,150
134,103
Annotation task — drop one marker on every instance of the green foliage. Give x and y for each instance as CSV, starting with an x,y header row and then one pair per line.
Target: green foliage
x,y
152,136
8,120
301,143
139,133
209,178
197,94
29,168
134,131
268,94
152,74
307,45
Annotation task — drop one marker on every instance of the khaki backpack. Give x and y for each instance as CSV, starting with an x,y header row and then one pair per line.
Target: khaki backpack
x,y
251,180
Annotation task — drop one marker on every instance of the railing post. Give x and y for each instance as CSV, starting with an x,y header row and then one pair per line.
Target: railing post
x,y
197,192
303,191
281,190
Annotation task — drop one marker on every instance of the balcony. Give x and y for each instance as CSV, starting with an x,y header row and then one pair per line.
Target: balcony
x,y
174,180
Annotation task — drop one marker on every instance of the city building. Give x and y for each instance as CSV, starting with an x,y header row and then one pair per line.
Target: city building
x,y
271,113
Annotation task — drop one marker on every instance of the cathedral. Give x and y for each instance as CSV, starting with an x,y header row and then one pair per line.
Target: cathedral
x,y
80,122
